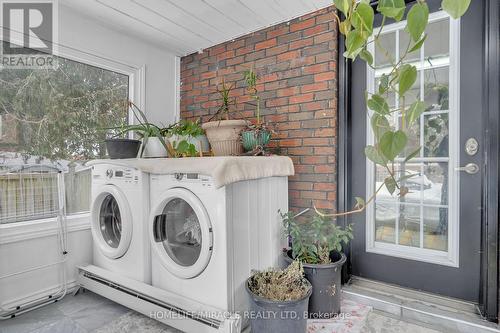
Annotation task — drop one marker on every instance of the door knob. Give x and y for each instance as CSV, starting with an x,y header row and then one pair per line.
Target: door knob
x,y
470,168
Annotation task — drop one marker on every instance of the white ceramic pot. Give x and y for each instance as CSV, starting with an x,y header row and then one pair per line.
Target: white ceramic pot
x,y
224,136
154,148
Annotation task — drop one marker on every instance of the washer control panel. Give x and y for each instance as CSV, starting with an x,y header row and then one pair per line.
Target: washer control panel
x,y
120,174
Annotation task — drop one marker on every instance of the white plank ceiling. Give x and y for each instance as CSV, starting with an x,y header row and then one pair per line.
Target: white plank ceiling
x,y
187,26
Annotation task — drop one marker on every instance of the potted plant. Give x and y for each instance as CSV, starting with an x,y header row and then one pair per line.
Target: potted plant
x,y
279,300
190,131
119,146
153,144
255,136
222,132
316,241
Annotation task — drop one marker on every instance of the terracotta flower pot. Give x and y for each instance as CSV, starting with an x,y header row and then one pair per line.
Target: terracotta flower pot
x,y
224,136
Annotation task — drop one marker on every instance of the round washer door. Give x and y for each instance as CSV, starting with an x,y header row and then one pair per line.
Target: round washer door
x,y
111,222
181,233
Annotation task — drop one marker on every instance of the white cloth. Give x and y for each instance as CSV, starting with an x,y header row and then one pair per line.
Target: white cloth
x,y
223,169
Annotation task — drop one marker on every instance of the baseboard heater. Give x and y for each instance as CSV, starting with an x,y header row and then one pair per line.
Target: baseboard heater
x,y
166,307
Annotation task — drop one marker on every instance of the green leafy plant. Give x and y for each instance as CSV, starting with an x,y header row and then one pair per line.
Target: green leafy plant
x,y
314,237
280,285
251,79
184,128
143,129
227,102
357,27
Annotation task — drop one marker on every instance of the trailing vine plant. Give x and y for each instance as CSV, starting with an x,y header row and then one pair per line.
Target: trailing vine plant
x,y
357,27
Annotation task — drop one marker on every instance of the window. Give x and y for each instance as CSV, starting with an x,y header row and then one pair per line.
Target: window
x,y
51,121
423,225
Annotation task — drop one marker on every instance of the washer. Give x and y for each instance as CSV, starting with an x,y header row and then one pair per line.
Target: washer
x,y
206,241
119,213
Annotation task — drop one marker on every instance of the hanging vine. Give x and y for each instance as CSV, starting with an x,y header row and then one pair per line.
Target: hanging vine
x,y
389,143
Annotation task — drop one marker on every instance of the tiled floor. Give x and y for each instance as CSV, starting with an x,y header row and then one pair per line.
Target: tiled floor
x,y
88,312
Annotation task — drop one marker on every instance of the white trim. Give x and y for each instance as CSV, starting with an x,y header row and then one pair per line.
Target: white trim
x,y
177,100
21,231
451,256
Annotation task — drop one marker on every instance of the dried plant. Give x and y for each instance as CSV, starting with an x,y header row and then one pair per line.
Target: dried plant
x,y
288,284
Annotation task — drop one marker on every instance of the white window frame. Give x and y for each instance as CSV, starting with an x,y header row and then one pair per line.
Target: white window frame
x,y
22,230
451,256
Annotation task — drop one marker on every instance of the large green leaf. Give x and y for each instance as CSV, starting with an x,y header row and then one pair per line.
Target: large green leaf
x,y
378,104
392,8
390,184
406,79
384,84
418,44
354,43
342,5
414,112
392,144
456,8
380,125
374,155
366,56
362,18
417,20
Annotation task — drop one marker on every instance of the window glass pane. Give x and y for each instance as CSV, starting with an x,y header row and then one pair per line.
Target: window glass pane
x,y
387,42
404,40
437,44
52,120
436,184
436,89
436,228
385,221
436,135
409,225
413,134
413,182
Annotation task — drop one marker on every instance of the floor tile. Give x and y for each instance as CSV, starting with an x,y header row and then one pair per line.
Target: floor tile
x,y
31,320
135,322
95,316
65,325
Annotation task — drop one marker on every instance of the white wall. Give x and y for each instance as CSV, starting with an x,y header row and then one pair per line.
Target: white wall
x,y
22,248
84,34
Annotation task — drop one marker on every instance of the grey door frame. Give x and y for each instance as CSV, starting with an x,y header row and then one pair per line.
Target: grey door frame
x,y
489,272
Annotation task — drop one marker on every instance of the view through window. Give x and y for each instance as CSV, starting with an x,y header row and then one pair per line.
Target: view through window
x,y
421,220
52,121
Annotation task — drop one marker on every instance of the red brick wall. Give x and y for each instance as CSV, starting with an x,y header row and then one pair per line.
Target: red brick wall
x,y
296,62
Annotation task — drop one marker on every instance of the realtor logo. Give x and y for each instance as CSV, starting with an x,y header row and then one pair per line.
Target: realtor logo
x,y
29,31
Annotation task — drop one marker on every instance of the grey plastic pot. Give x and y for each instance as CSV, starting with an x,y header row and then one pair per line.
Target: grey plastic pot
x,y
326,282
122,148
268,316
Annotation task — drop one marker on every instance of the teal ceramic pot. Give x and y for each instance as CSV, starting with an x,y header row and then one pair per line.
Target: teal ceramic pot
x,y
252,139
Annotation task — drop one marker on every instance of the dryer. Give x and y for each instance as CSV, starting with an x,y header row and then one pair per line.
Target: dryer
x,y
205,241
119,214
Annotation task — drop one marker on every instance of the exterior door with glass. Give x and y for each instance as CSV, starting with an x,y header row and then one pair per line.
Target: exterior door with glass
x,y
428,239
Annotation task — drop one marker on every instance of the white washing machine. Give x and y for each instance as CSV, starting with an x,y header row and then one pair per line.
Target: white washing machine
x,y
119,214
206,241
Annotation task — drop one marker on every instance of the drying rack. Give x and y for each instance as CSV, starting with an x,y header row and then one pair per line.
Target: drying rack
x,y
57,209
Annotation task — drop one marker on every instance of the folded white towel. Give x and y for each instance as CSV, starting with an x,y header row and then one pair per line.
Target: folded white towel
x,y
223,169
